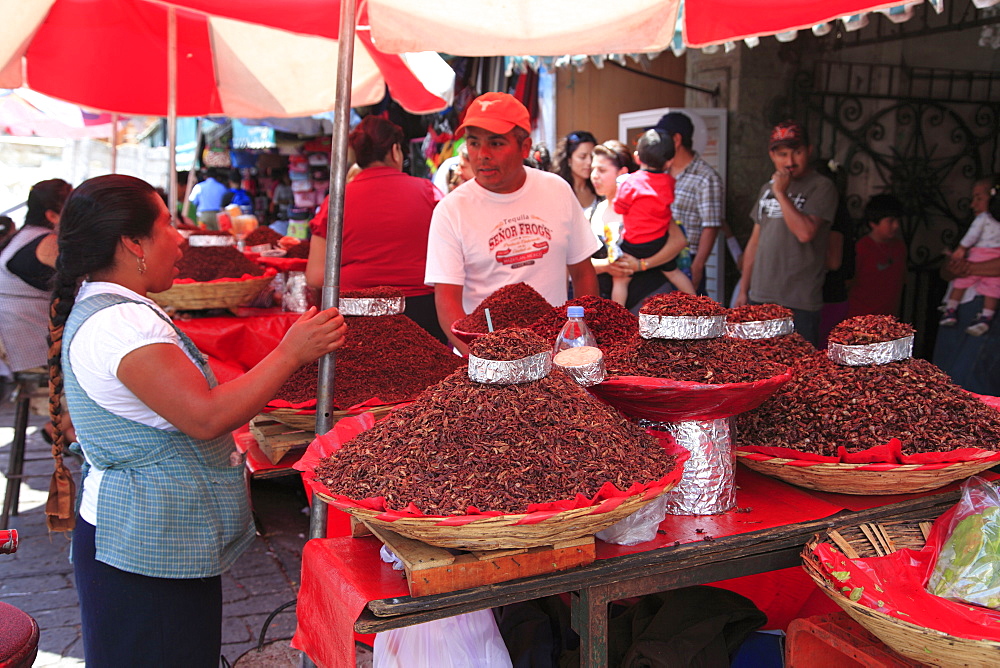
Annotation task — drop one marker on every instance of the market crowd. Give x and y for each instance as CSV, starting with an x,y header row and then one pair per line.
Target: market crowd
x,y
163,508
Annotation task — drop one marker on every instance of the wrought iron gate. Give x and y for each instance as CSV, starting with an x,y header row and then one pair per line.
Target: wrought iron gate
x,y
925,135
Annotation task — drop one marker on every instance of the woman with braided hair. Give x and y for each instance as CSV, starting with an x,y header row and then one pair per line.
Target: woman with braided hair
x,y
164,508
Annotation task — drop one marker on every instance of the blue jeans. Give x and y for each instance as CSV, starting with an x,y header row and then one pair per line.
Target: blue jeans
x,y
973,362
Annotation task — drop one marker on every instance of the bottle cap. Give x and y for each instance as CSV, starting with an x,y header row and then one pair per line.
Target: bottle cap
x,y
574,311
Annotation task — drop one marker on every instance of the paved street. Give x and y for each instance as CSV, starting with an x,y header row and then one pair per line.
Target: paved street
x,y
39,578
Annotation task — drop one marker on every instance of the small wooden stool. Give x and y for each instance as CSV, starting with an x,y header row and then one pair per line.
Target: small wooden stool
x,y
27,383
18,638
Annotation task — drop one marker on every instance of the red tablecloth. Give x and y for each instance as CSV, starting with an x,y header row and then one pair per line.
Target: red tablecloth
x,y
762,503
341,575
238,341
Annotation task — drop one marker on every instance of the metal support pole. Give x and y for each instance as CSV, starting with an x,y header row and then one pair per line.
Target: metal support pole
x,y
15,469
334,234
172,110
335,225
114,143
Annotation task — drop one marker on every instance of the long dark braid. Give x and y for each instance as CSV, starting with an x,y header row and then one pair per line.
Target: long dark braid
x,y
96,217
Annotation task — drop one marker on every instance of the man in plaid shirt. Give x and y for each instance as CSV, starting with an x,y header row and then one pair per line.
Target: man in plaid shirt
x,y
697,195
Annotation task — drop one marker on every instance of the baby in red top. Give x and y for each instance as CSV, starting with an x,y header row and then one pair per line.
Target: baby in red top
x,y
643,199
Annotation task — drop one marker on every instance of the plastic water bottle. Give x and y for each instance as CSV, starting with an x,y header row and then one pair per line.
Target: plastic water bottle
x,y
575,332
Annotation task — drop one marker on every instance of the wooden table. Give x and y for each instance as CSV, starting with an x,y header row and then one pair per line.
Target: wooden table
x,y
333,566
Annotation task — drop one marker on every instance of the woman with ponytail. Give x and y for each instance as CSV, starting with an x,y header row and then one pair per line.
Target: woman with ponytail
x,y
26,268
164,508
387,217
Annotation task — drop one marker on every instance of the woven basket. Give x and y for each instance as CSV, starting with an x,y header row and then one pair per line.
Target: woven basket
x,y
212,294
852,479
911,640
306,420
502,531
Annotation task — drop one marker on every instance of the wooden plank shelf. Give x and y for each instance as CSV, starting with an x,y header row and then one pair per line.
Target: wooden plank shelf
x,y
276,439
436,570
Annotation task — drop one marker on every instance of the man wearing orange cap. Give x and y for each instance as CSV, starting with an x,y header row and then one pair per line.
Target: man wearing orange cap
x,y
785,259
510,224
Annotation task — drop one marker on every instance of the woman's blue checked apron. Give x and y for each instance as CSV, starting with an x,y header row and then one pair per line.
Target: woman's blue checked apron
x,y
169,505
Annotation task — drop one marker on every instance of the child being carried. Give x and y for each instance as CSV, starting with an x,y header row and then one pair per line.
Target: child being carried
x,y
980,243
644,200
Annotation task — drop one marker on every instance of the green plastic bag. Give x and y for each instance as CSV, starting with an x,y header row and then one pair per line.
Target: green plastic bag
x,y
968,565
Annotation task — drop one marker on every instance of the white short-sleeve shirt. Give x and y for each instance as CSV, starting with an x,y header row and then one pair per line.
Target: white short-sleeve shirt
x,y
484,240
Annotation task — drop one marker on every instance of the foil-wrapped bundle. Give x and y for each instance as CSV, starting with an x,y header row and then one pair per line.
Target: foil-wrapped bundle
x,y
372,306
871,353
510,372
760,329
261,249
584,364
708,486
203,240
295,292
681,327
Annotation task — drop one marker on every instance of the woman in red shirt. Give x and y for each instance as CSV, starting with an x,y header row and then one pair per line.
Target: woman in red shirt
x,y
387,215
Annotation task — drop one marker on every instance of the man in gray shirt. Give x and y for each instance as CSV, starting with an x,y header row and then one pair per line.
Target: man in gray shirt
x,y
785,259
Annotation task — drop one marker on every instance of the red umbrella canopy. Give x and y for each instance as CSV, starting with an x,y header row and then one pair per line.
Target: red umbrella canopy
x,y
549,27
112,55
556,27
716,21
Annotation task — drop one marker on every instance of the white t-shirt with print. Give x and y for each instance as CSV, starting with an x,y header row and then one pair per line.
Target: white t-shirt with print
x,y
483,240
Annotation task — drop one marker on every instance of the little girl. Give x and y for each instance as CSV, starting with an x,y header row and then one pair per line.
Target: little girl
x,y
643,200
981,242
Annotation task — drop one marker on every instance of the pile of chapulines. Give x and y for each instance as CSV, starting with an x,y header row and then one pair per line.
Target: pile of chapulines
x,y
495,447
207,263
388,356
827,405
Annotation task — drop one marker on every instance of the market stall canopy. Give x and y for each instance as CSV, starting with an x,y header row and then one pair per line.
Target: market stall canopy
x,y
26,113
557,27
112,55
553,27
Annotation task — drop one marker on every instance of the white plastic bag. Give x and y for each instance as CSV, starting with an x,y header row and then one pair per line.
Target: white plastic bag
x,y
471,640
638,527
389,557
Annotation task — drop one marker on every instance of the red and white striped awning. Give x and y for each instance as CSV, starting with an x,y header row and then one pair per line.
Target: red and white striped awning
x,y
112,55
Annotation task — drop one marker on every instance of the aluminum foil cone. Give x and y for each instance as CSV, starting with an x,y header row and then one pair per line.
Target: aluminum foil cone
x,y
708,486
871,353
372,306
681,327
760,329
587,374
203,240
510,372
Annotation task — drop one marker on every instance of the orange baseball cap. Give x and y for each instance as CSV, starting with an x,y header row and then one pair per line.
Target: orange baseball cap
x,y
496,112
